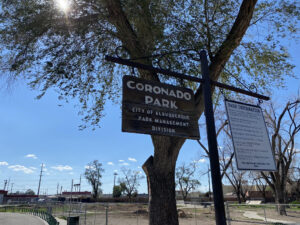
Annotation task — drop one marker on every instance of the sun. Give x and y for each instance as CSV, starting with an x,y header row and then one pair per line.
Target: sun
x,y
63,5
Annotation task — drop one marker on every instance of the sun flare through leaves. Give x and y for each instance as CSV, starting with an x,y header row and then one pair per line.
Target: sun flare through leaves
x,y
63,5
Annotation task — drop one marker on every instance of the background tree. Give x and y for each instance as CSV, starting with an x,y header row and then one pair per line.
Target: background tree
x,y
29,192
93,174
239,182
294,181
130,182
284,126
261,185
64,50
223,136
185,179
117,191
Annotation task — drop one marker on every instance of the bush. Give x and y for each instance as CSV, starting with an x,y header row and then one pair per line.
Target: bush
x,y
296,202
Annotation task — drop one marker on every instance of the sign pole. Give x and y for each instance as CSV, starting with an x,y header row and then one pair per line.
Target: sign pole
x,y
212,144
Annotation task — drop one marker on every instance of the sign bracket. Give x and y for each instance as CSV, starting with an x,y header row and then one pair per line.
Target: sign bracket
x,y
170,73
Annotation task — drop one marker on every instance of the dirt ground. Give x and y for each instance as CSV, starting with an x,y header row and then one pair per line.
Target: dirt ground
x,y
136,214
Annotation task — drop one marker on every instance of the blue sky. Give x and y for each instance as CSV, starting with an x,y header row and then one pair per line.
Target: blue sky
x,y
33,132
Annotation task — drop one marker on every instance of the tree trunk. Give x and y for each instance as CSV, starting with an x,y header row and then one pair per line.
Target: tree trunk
x,y
280,199
238,195
162,197
264,196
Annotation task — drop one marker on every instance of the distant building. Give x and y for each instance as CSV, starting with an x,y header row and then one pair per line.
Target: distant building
x,y
258,195
76,195
2,195
20,198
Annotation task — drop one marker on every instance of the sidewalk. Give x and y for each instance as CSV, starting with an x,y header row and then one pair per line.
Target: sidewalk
x,y
61,221
253,215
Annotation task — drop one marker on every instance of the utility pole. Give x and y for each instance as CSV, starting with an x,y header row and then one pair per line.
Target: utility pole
x,y
5,183
115,174
71,190
41,173
11,188
61,189
57,188
209,190
80,183
70,199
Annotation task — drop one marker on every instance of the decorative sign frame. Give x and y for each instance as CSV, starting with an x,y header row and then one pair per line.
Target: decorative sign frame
x,y
250,137
160,109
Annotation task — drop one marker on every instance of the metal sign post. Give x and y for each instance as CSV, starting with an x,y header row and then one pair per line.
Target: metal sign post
x,y
209,115
212,144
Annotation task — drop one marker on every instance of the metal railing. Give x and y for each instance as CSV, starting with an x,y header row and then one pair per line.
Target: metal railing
x,y
49,218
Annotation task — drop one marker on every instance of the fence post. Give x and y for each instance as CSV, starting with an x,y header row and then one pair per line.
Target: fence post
x,y
85,214
106,215
228,213
137,215
265,214
195,214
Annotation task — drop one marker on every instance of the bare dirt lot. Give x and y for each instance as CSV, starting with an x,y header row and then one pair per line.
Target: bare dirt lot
x,y
136,214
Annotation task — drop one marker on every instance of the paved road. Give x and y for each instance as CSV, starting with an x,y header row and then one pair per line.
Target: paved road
x,y
20,219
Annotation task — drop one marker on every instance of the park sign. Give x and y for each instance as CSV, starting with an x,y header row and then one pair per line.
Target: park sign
x,y
250,137
160,109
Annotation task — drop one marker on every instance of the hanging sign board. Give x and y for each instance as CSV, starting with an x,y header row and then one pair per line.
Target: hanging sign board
x,y
250,137
154,108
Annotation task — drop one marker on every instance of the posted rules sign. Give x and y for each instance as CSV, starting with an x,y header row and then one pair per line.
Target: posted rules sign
x,y
250,137
155,108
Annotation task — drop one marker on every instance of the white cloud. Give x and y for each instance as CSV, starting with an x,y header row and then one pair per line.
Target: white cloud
x,y
132,159
21,168
4,163
62,168
33,168
121,160
89,167
200,161
110,163
71,173
33,156
124,164
115,171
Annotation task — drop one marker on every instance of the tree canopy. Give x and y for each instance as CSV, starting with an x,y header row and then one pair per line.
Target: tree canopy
x,y
65,50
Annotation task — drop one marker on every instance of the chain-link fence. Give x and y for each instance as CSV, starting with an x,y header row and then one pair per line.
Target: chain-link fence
x,y
262,214
189,214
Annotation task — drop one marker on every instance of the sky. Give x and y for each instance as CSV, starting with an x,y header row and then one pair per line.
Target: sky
x,y
35,132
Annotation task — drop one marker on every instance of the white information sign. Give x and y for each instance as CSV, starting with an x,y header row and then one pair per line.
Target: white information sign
x,y
250,137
